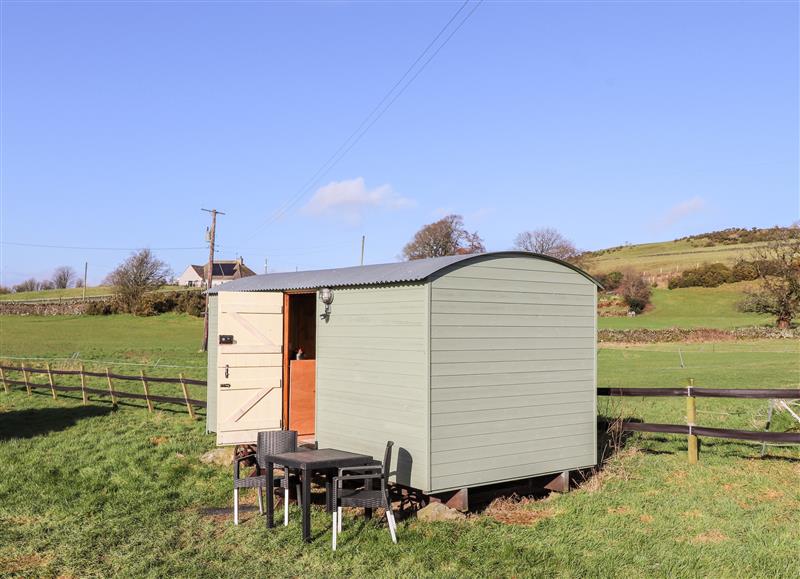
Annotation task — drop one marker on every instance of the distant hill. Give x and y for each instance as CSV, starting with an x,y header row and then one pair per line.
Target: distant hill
x,y
662,259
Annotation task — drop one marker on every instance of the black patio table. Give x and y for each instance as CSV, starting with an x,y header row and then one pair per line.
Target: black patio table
x,y
308,461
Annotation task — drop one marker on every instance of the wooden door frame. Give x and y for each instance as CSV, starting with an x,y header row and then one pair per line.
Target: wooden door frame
x,y
286,354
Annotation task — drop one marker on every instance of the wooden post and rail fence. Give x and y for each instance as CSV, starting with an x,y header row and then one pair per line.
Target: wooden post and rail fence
x,y
691,429
110,391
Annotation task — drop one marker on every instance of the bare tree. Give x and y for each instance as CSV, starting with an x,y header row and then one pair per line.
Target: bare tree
x,y
79,283
138,274
778,266
29,285
63,276
547,241
444,237
635,290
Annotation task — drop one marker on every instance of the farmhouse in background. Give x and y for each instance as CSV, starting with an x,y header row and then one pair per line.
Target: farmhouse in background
x,y
481,368
224,271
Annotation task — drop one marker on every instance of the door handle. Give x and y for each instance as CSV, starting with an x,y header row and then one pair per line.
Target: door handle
x,y
227,373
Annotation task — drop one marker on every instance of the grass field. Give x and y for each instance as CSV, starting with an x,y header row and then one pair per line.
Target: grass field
x,y
667,256
695,307
86,491
169,339
74,292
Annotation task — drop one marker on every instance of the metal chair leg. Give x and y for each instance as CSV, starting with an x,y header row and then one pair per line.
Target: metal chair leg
x,y
285,507
235,506
260,502
392,525
334,528
339,517
299,496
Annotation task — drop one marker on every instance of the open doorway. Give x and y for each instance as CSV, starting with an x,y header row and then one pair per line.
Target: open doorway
x,y
300,352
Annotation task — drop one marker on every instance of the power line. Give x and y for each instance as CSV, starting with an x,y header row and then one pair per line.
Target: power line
x,y
366,123
84,248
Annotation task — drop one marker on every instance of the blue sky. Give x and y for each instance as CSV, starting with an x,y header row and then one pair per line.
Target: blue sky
x,y
611,121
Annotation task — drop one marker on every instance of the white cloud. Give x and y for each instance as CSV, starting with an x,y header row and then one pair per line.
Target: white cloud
x,y
682,210
351,198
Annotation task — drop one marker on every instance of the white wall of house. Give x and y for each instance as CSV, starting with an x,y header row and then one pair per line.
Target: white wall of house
x,y
190,278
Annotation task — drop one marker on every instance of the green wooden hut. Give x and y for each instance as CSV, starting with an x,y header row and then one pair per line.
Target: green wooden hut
x,y
482,368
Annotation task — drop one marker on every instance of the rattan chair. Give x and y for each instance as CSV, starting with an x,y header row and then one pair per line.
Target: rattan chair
x,y
270,442
364,496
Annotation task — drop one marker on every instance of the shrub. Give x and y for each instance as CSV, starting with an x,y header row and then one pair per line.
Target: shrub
x,y
635,291
610,281
102,308
707,275
142,272
744,271
192,303
186,302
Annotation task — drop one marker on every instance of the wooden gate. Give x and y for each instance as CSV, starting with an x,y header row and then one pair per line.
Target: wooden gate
x,y
250,365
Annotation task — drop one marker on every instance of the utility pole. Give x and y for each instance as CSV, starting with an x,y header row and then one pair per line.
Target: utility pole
x,y
363,240
266,270
85,272
210,272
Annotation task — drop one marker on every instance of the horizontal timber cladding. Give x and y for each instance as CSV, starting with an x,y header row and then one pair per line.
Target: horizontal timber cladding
x,y
211,388
372,376
513,380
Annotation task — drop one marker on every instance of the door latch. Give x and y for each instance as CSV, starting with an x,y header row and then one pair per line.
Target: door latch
x,y
227,373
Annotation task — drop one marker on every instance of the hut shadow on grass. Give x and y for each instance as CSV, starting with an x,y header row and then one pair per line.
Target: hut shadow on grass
x,y
611,440
170,408
39,421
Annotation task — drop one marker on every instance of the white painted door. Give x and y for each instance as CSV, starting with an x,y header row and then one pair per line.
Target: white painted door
x,y
250,367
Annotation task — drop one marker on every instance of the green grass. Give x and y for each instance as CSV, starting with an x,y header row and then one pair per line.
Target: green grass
x,y
74,292
171,339
664,257
86,491
695,307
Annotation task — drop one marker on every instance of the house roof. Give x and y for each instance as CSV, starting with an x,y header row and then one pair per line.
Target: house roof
x,y
380,274
231,269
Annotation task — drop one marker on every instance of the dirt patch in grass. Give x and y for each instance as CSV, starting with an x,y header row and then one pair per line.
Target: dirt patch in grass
x,y
616,468
22,520
709,538
623,510
646,518
518,511
158,440
25,562
693,514
772,495
677,477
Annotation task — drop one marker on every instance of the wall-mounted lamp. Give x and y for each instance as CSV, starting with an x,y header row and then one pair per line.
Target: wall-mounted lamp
x,y
326,297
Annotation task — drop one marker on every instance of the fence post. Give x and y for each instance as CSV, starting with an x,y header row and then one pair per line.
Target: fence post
x,y
691,417
50,380
186,396
111,389
146,392
25,378
3,377
83,386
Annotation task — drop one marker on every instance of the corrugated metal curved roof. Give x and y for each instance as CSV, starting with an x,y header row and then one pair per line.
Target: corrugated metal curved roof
x,y
379,274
